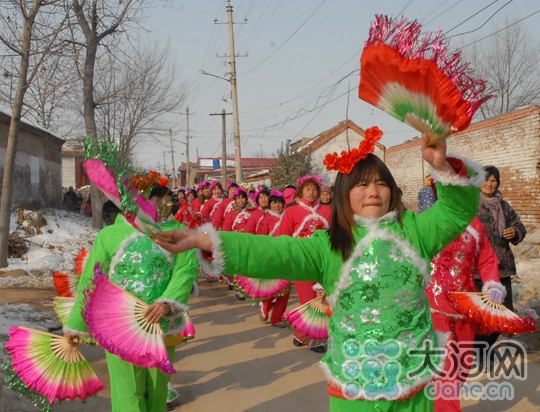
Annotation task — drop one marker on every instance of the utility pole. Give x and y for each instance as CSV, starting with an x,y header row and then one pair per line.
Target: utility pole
x,y
172,158
188,184
223,146
234,95
164,164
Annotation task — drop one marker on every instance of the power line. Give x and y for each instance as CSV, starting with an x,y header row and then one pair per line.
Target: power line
x,y
490,17
464,21
440,14
285,42
256,23
432,11
405,7
504,28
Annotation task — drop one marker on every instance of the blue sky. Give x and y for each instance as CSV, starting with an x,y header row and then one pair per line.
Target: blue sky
x,y
287,74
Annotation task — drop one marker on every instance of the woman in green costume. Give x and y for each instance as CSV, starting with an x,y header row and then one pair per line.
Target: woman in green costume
x,y
373,262
162,280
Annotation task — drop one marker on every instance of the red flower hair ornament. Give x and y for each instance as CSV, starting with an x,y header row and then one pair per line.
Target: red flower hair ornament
x,y
344,164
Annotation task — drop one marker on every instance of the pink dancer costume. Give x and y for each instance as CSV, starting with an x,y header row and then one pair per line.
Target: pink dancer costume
x,y
302,221
269,226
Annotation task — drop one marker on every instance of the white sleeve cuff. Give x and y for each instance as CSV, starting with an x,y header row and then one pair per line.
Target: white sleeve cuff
x,y
492,284
75,332
456,180
216,266
317,287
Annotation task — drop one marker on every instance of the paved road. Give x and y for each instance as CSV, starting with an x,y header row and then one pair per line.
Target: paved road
x,y
236,363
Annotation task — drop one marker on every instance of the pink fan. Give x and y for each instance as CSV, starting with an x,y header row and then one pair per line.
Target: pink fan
x,y
258,289
48,365
138,211
116,321
311,320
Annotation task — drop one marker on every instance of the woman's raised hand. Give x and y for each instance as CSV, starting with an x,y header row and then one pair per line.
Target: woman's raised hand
x,y
180,240
435,155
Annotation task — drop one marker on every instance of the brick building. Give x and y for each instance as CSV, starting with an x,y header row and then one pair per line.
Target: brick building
x,y
330,141
37,181
511,142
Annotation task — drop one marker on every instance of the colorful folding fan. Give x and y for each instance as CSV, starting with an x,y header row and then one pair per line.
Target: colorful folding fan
x,y
138,211
80,261
258,289
116,320
310,320
66,285
489,316
418,81
49,365
62,307
187,333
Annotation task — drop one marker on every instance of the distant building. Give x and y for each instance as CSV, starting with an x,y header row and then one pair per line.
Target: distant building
x,y
73,173
37,178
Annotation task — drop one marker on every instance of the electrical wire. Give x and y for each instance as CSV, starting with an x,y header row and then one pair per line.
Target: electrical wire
x,y
288,38
504,28
440,14
490,17
466,20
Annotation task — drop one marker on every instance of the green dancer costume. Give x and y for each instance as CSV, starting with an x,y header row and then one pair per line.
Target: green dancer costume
x,y
379,310
135,263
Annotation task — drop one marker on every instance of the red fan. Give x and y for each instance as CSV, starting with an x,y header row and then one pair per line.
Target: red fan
x,y
66,285
418,81
80,261
490,316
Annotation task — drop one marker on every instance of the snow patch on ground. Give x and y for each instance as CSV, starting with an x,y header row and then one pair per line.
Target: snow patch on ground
x,y
53,250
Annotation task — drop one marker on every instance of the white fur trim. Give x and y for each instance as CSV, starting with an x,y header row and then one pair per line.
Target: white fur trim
x,y
216,266
276,226
75,332
454,316
376,232
317,287
455,180
474,233
493,284
195,290
442,341
179,308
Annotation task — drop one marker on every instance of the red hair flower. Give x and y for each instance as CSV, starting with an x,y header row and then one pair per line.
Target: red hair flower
x,y
344,164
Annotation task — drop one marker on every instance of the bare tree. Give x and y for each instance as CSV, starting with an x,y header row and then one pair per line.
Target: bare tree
x,y
290,168
29,31
510,61
137,96
98,20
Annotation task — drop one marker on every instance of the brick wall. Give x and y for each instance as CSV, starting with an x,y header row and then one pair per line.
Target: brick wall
x,y
37,181
511,142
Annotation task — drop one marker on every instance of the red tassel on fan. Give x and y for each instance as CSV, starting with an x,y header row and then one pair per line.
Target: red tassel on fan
x,y
66,285
418,81
490,316
80,261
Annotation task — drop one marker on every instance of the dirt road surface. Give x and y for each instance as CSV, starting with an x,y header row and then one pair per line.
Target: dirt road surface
x,y
236,363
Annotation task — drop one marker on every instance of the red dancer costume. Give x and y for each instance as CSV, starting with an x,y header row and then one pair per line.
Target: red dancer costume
x,y
268,226
302,221
453,271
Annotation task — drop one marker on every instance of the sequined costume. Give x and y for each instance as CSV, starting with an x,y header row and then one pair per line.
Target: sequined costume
x,y
302,221
135,263
452,270
380,310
